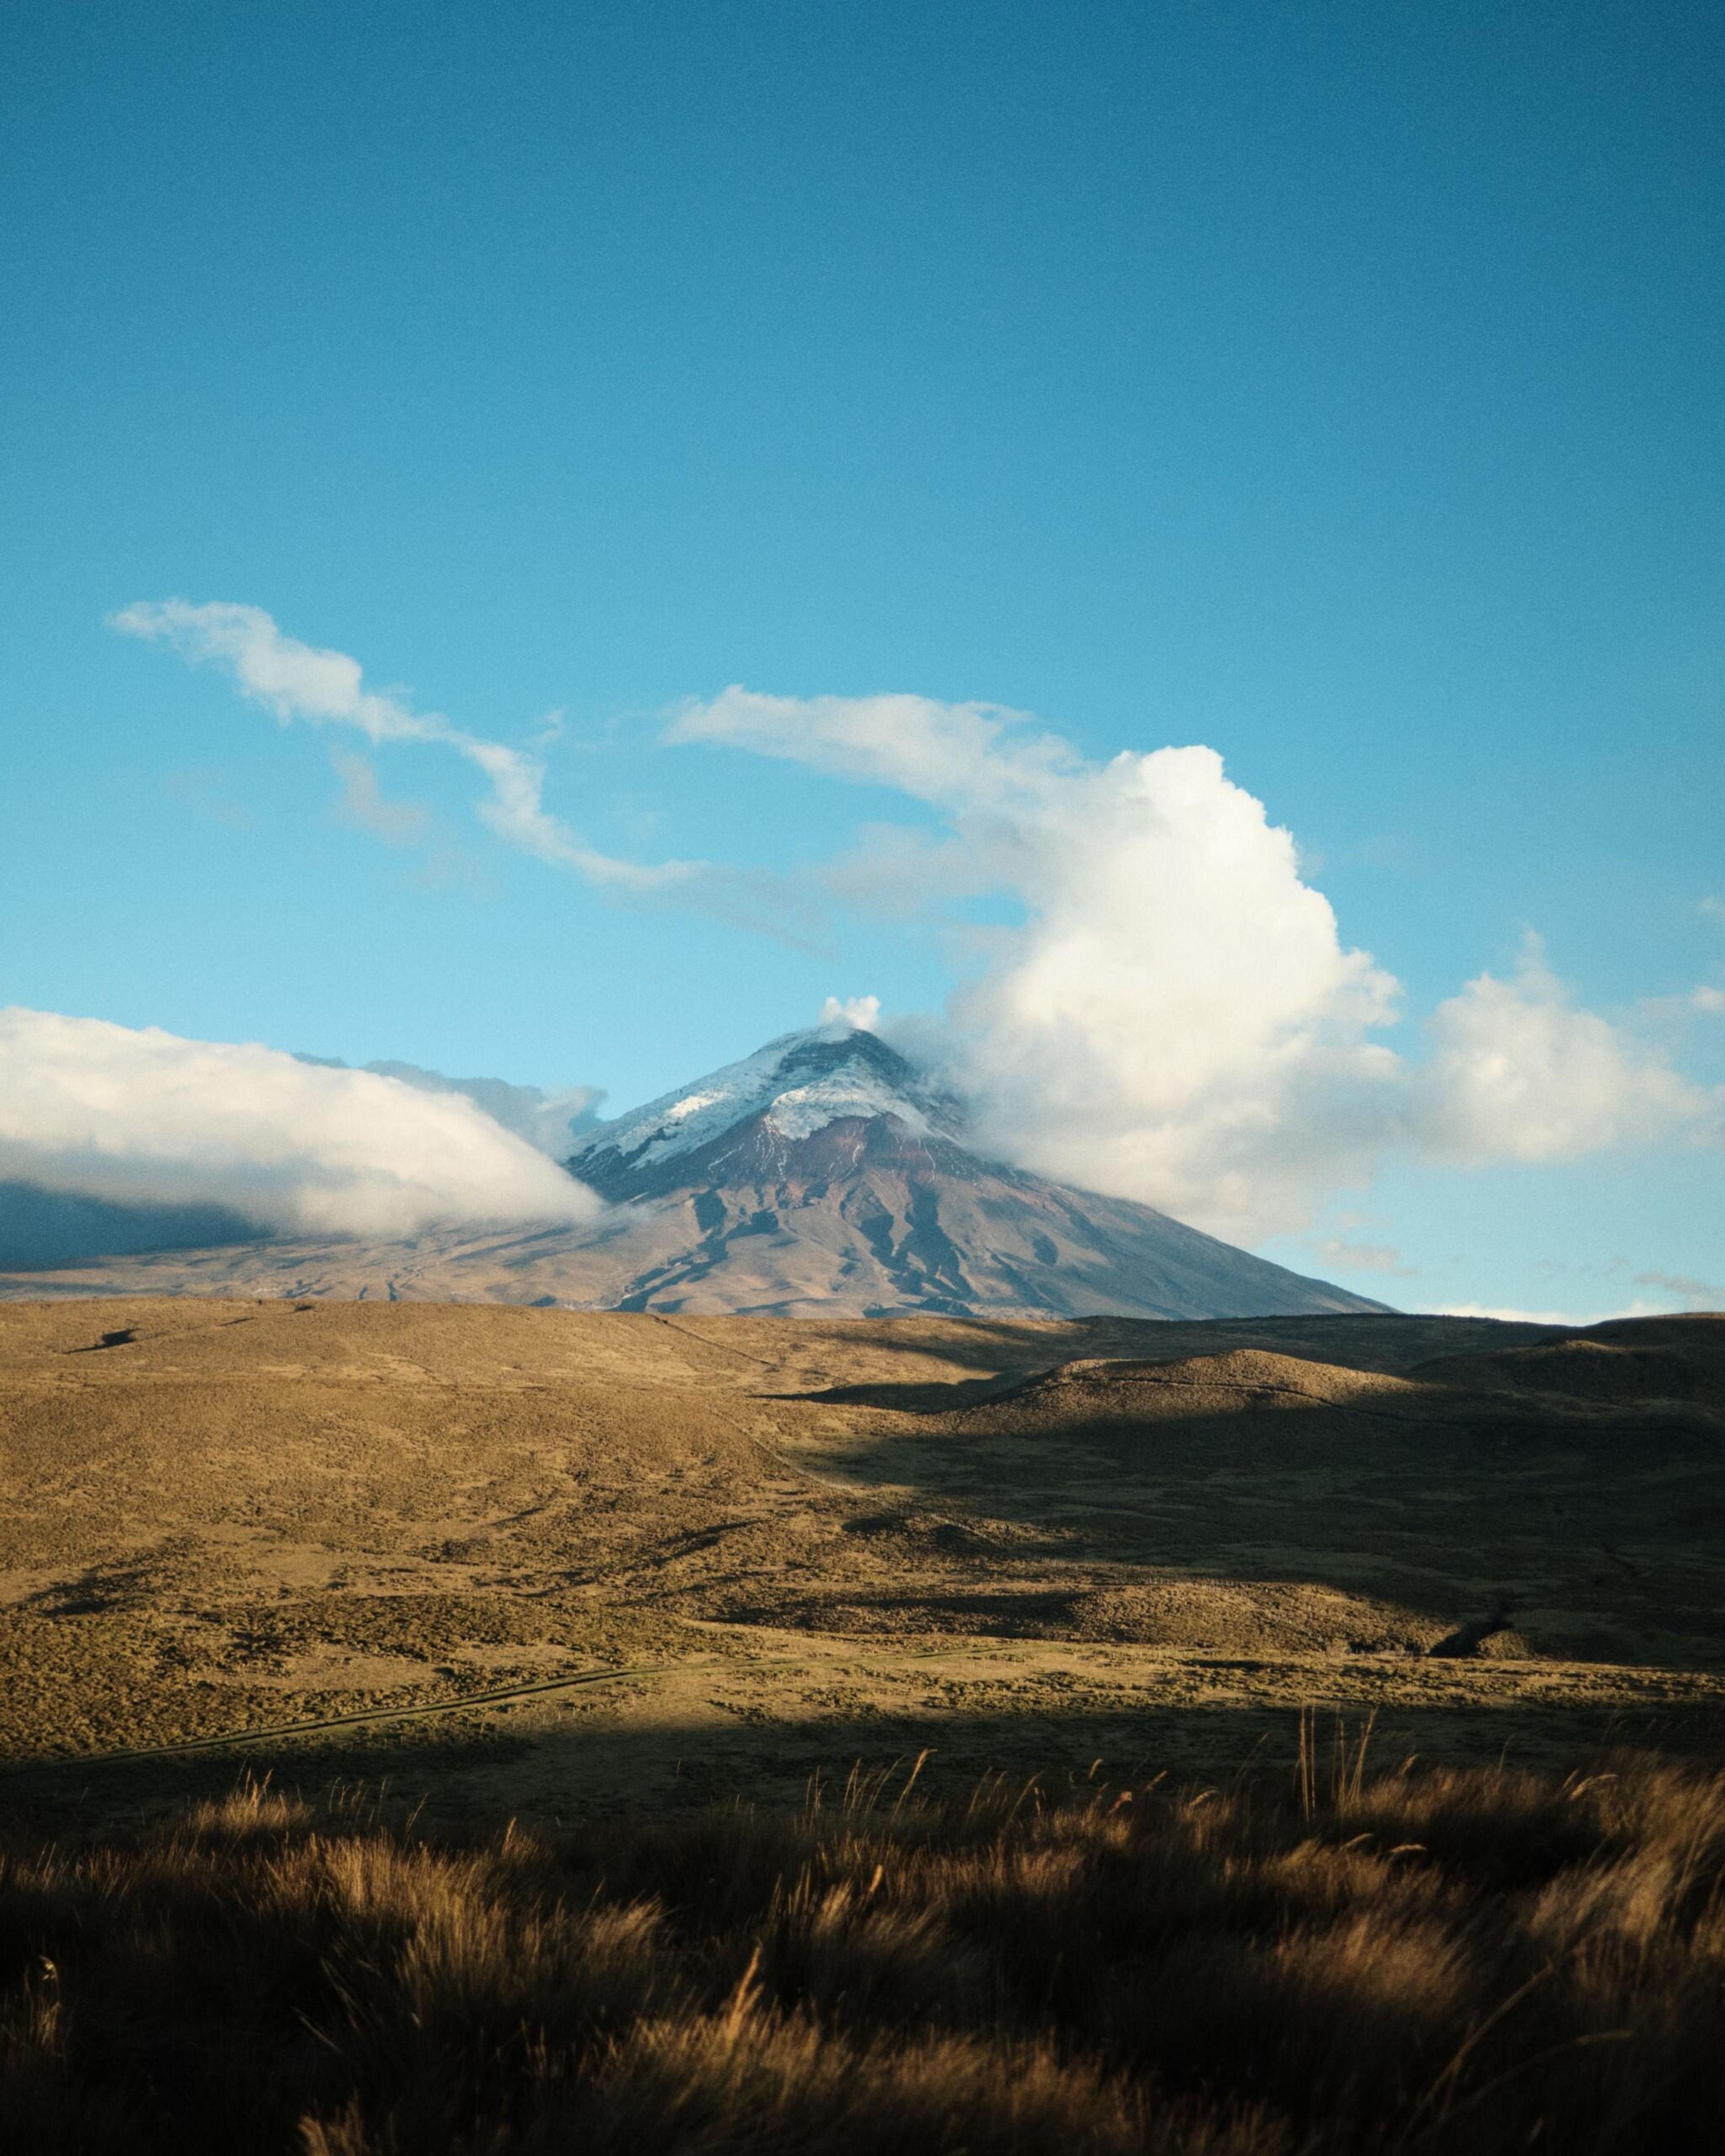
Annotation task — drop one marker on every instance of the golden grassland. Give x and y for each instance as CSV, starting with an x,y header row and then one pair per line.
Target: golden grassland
x,y
682,1600
1456,1961
693,1557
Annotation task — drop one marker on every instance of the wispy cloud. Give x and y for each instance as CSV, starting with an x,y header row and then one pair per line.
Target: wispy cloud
x,y
298,680
361,804
1698,1294
1340,1255
301,681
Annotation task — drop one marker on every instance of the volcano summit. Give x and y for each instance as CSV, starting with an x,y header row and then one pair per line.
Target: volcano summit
x,y
822,1176
824,1173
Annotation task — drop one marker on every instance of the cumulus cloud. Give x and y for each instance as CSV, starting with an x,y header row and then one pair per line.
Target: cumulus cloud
x,y
1519,1072
1176,1017
145,1118
855,1015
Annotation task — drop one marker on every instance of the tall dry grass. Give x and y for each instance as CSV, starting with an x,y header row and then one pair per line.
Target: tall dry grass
x,y
1451,1963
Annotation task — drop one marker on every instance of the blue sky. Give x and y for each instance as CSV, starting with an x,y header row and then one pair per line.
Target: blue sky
x,y
1335,387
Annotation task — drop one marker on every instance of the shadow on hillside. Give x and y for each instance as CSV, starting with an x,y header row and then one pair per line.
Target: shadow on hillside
x,y
1600,1522
1009,1354
938,1397
991,1345
487,1774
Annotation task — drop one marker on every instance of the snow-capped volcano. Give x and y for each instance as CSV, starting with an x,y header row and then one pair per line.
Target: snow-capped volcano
x,y
793,1088
825,1173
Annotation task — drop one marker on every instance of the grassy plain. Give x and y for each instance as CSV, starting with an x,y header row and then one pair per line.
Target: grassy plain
x,y
736,1551
916,1735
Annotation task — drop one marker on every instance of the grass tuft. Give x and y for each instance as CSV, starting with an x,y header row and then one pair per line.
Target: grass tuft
x,y
1440,1963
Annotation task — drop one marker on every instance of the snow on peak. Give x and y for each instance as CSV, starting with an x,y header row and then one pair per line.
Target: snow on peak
x,y
799,1083
801,1111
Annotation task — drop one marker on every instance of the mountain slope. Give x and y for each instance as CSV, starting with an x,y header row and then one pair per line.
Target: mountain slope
x,y
822,1177
824,1173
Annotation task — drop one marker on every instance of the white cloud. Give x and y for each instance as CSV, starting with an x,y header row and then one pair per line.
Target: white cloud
x,y
1518,1072
298,680
1577,1319
855,1015
1510,1317
1176,1018
1710,1002
147,1117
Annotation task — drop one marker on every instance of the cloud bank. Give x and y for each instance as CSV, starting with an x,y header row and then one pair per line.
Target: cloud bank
x,y
550,1122
102,1111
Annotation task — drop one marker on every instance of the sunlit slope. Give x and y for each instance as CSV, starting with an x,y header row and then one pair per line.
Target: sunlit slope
x,y
231,1516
